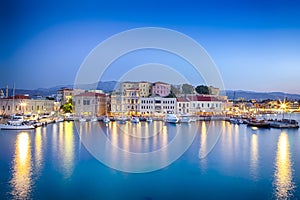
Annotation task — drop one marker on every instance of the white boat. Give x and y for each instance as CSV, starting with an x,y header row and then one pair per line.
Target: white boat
x,y
82,119
135,119
59,119
94,119
16,127
122,120
106,120
236,121
149,119
171,118
185,119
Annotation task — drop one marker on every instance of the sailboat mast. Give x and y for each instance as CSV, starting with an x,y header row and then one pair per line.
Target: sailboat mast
x,y
13,107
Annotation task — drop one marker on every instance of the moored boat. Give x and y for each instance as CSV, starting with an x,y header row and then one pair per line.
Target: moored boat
x,y
134,119
185,119
284,123
106,119
22,126
259,123
171,118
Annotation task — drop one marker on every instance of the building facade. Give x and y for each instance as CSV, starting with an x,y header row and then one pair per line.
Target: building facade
x,y
145,89
157,105
183,105
161,89
64,95
90,104
24,105
201,103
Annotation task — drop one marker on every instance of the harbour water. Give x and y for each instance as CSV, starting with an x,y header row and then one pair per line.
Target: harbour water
x,y
240,162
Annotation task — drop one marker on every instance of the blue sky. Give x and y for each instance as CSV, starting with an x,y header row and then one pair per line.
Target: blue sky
x,y
255,44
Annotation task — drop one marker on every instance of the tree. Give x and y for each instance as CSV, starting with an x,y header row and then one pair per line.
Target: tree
x,y
171,95
187,89
68,106
202,89
175,90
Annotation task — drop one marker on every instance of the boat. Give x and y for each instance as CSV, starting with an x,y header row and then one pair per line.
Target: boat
x,y
94,119
259,123
171,118
142,119
284,123
149,119
134,119
236,120
82,119
122,120
15,126
185,119
106,120
59,119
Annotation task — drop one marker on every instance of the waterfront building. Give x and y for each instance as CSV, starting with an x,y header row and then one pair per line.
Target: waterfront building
x,y
157,105
117,104
1,94
145,89
90,104
205,103
161,89
183,105
294,105
22,104
128,85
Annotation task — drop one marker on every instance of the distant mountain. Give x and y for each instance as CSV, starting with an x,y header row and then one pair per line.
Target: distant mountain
x,y
247,95
108,86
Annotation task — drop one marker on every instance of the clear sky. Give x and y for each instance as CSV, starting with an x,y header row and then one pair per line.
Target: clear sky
x,y
255,44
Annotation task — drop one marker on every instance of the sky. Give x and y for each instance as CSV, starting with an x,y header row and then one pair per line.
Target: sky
x,y
254,44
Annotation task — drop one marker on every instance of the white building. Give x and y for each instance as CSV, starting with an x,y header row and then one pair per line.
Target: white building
x,y
183,105
201,103
157,105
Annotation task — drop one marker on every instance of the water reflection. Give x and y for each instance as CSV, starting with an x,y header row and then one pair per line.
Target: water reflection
x,y
66,148
38,155
22,170
254,156
283,183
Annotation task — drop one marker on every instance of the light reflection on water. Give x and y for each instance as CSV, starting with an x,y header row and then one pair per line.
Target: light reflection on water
x,y
254,156
239,153
283,183
21,181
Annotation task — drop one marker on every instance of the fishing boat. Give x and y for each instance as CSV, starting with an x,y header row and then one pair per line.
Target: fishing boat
x,y
259,123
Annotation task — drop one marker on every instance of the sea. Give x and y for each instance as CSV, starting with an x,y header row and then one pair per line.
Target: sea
x,y
199,160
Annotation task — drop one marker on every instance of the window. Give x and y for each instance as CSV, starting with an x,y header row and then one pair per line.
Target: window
x,y
179,104
3,108
8,108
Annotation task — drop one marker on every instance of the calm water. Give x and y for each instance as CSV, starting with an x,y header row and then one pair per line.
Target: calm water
x,y
51,162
